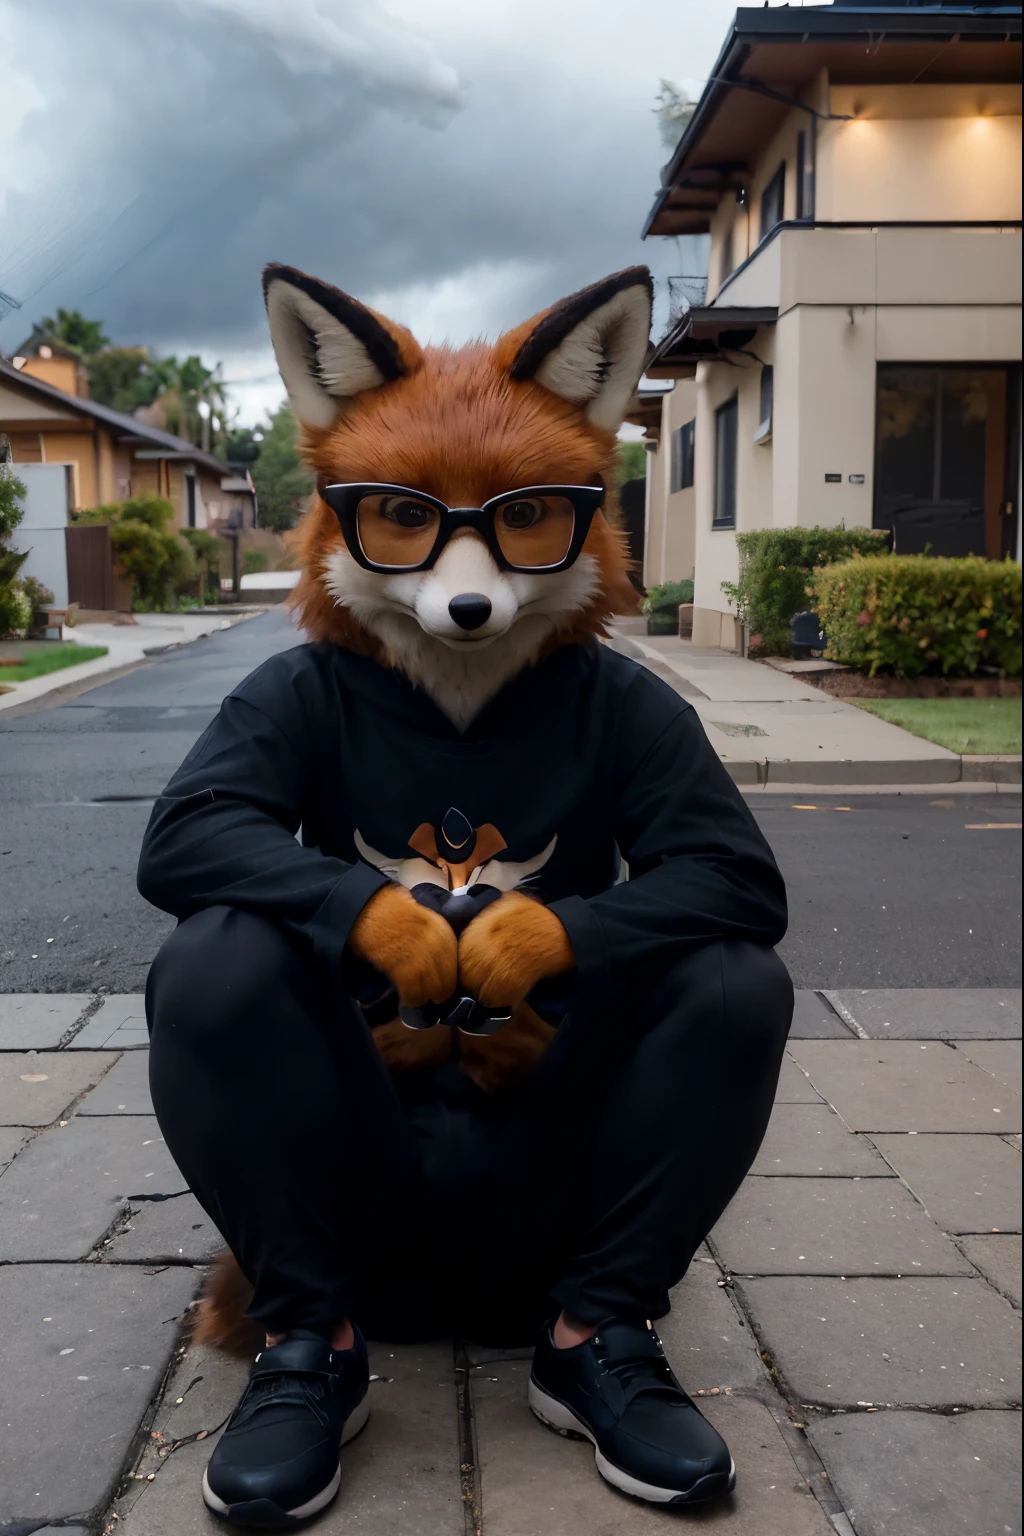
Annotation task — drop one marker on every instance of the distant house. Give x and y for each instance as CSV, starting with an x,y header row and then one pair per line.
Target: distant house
x,y
109,456
857,355
72,454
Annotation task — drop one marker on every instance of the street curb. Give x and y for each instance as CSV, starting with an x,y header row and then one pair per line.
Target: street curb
x,y
958,787
899,773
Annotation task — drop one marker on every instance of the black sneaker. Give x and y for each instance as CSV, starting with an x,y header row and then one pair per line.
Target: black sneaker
x,y
617,1390
277,1461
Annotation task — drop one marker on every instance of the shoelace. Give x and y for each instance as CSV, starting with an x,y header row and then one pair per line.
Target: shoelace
x,y
288,1389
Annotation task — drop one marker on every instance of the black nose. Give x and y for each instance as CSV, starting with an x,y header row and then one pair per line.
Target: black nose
x,y
470,609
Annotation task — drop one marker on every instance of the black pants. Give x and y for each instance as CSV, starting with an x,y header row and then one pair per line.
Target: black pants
x,y
430,1207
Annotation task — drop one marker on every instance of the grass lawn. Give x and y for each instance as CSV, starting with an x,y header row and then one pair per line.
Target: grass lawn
x,y
961,725
36,661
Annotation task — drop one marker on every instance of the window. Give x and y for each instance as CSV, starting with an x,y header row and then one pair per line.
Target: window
x,y
727,255
190,501
726,421
681,468
805,175
943,477
764,413
773,201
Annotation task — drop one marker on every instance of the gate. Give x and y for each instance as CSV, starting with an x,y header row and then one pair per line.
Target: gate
x,y
90,567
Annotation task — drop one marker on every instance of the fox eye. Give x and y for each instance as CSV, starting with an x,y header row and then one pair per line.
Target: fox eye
x,y
522,514
406,513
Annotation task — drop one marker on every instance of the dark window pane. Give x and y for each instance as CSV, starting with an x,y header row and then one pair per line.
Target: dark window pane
x,y
906,434
964,413
773,201
725,465
764,414
801,175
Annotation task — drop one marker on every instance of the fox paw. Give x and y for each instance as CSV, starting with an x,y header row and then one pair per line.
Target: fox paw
x,y
512,945
414,947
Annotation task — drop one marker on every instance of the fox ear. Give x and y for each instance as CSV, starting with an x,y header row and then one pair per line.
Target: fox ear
x,y
329,347
591,348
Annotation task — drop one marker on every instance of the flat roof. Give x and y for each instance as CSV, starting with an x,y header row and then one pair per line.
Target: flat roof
x,y
772,54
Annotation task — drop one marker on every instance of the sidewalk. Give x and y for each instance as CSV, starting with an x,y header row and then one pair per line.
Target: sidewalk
x,y
127,645
769,728
852,1326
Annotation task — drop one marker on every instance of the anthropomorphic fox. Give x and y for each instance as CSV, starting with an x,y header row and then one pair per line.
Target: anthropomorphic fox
x,y
467,767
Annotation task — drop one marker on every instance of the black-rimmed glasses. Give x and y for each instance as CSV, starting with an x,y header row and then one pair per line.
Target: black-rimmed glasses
x,y
390,528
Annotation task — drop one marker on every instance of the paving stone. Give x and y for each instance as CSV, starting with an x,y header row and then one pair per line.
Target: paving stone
x,y
899,1085
36,1020
927,1013
537,1483
907,1343
925,1474
1000,1057
831,1227
174,1231
82,1350
400,1476
118,1024
12,1139
794,1085
124,1090
813,1019
999,1259
707,1341
36,1088
966,1183
65,1189
807,1139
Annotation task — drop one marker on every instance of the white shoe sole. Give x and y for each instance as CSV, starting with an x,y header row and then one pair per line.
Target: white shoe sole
x,y
561,1419
353,1424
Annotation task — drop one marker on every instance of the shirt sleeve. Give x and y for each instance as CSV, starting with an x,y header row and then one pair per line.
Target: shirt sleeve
x,y
699,867
224,831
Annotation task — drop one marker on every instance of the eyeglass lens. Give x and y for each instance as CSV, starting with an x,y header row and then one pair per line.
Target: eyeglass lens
x,y
399,531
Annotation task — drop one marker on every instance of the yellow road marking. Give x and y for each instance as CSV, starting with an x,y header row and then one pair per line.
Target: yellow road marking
x,y
991,826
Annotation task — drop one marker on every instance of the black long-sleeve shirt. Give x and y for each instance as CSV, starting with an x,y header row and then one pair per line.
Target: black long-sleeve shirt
x,y
587,748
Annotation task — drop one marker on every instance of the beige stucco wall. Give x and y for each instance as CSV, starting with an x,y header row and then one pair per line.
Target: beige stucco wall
x,y
943,152
669,534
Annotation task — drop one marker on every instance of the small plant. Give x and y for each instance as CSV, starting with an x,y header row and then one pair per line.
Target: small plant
x,y
909,615
206,547
15,609
254,561
775,569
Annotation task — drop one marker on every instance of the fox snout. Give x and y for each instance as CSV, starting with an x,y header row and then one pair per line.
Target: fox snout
x,y
465,599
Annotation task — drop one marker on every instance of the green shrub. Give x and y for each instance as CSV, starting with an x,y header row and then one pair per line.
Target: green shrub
x,y
911,614
15,610
667,597
206,547
775,567
254,561
158,562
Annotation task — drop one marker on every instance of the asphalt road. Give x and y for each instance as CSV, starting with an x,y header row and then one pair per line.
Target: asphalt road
x,y
892,892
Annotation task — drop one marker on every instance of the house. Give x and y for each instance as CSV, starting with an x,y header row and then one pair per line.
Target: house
x,y
72,453
856,358
109,456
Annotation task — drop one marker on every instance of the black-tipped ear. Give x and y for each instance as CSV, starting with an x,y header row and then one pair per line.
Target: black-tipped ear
x,y
329,347
591,348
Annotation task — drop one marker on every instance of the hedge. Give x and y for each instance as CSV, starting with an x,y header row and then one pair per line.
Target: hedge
x,y
775,569
667,597
912,614
160,564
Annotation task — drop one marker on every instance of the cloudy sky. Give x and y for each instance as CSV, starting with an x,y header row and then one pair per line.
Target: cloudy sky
x,y
458,164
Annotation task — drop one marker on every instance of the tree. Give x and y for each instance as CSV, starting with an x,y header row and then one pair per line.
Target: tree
x,y
632,462
282,480
73,330
242,445
126,378
673,109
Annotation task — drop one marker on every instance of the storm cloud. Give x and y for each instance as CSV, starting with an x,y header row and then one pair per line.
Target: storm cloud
x,y
458,165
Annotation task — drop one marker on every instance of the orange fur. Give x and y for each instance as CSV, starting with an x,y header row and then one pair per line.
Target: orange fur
x,y
412,945
220,1321
499,1061
512,945
458,427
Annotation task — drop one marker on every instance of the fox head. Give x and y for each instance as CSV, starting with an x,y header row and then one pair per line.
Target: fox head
x,y
539,408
